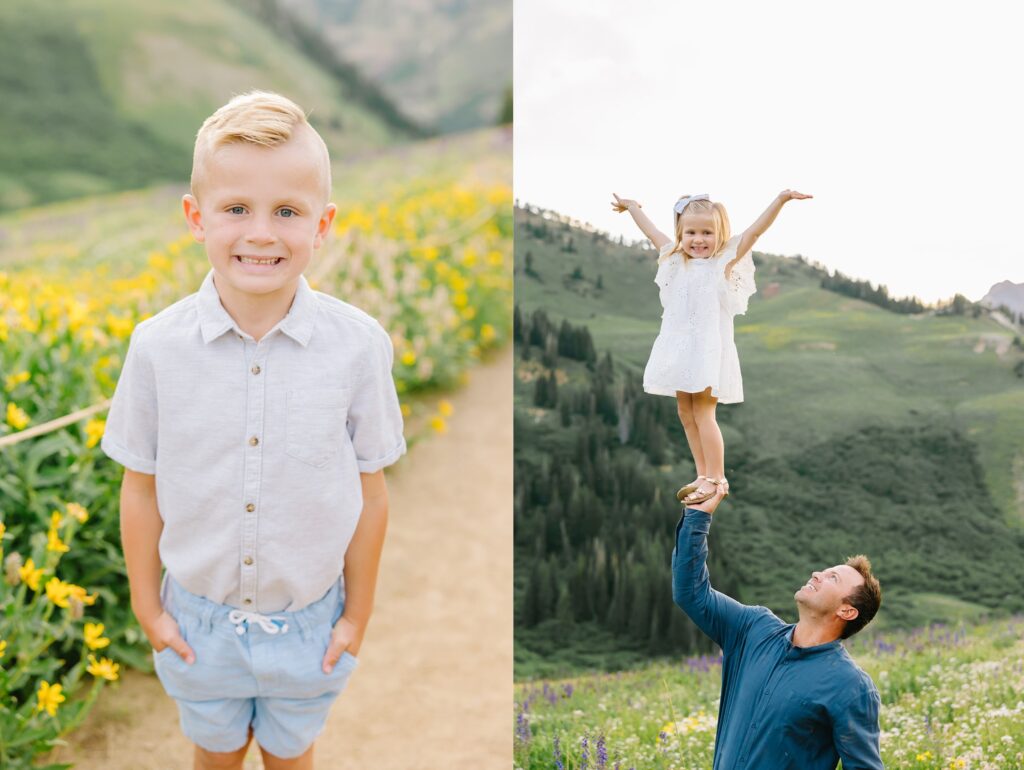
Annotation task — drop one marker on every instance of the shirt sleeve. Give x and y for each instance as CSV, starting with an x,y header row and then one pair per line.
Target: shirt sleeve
x,y
719,616
738,286
856,733
375,417
130,435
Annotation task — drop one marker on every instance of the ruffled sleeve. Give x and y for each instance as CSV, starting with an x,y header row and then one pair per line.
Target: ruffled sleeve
x,y
739,286
667,268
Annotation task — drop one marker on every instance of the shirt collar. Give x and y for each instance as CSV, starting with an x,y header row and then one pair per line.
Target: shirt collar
x,y
809,652
214,320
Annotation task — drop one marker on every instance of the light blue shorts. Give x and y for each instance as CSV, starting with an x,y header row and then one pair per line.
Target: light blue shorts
x,y
245,674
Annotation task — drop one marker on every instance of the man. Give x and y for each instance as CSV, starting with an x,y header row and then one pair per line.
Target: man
x,y
791,695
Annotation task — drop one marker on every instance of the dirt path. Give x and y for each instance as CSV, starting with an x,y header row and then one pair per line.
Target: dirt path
x,y
434,685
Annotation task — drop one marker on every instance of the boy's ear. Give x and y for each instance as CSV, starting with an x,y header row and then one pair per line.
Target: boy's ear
x,y
324,225
193,217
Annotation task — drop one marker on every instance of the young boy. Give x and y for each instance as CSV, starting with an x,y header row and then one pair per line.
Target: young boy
x,y
254,419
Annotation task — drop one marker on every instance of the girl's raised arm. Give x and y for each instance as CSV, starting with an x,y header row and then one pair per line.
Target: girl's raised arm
x,y
762,223
646,226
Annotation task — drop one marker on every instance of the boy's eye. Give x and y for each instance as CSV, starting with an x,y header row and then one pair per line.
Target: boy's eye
x,y
287,213
236,210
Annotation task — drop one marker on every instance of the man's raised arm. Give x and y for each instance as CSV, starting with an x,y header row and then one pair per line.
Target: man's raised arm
x,y
717,615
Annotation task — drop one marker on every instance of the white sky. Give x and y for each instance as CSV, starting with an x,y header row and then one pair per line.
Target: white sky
x,y
905,120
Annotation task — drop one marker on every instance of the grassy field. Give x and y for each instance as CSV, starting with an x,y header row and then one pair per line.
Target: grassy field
x,y
951,700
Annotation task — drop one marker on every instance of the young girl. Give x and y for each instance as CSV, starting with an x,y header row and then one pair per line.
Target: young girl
x,y
705,277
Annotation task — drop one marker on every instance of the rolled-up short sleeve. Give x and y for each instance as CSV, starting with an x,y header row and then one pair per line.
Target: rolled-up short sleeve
x,y
375,417
130,436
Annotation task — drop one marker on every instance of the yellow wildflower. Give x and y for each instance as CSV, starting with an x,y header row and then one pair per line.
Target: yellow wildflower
x,y
94,638
11,381
57,591
16,416
30,575
438,424
94,432
56,519
445,408
50,697
408,358
78,512
105,668
3,647
460,299
487,333
120,326
406,410
78,593
54,543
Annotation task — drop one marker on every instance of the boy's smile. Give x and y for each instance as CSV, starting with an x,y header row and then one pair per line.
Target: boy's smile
x,y
261,214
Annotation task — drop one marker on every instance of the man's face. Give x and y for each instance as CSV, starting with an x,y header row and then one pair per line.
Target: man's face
x,y
261,214
825,592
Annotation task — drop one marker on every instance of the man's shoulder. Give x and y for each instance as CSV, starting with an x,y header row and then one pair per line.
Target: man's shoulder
x,y
853,676
352,319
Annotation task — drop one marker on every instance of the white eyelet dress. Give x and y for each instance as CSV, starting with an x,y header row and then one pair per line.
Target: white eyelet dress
x,y
695,348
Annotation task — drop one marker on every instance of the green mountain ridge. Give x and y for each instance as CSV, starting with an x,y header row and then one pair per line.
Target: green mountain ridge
x,y
106,95
862,430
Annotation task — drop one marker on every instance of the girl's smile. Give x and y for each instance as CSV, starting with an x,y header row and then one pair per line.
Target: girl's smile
x,y
698,235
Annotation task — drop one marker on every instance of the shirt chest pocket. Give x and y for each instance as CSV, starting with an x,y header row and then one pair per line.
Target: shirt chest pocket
x,y
315,424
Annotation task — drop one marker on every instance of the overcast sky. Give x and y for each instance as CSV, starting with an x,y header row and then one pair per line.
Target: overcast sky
x,y
903,119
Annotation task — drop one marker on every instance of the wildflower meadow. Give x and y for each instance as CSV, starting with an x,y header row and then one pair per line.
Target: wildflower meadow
x,y
429,257
952,699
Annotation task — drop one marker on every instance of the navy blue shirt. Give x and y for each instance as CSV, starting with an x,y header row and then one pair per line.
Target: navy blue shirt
x,y
782,706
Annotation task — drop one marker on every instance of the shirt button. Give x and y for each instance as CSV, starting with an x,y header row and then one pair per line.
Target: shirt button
x,y
253,441
255,370
250,507
248,601
248,560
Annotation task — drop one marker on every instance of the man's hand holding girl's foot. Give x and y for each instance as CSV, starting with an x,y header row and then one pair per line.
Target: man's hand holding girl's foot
x,y
709,506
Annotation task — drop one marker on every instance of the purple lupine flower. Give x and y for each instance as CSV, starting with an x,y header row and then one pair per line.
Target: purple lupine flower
x,y
567,689
558,756
584,760
602,753
523,728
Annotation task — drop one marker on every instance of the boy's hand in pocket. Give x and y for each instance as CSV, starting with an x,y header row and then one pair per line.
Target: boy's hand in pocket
x,y
164,632
346,637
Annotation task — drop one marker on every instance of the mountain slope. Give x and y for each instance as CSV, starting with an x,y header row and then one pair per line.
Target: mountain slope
x,y
101,95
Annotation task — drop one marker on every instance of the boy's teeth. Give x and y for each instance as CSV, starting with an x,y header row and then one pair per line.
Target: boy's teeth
x,y
250,261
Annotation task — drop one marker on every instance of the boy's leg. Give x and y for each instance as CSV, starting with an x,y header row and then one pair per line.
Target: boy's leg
x,y
222,760
270,762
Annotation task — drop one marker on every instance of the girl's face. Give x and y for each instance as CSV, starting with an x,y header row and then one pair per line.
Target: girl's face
x,y
698,235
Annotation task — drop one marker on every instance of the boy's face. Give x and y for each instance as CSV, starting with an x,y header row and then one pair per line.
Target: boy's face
x,y
261,215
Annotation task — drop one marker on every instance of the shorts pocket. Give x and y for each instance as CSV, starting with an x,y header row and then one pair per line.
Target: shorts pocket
x,y
316,421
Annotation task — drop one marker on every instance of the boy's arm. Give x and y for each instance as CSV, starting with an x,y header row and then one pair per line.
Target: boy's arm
x,y
141,526
361,562
762,223
717,615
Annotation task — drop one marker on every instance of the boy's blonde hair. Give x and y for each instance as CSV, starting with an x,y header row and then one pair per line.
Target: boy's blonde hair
x,y
718,216
258,117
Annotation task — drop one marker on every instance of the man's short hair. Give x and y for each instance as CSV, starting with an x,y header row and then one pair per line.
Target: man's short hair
x,y
867,597
261,118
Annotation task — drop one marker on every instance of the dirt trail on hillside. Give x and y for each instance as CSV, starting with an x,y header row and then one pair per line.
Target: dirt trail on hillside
x,y
434,685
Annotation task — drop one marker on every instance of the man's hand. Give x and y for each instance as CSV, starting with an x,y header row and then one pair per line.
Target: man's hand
x,y
163,632
708,506
346,637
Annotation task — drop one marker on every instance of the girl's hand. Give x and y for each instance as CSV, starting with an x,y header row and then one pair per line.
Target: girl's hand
x,y
164,632
793,195
624,204
346,637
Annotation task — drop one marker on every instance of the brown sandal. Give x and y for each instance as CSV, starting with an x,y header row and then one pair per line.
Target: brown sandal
x,y
684,491
699,497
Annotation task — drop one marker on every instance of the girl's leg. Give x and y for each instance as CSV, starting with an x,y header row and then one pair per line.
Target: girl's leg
x,y
684,405
712,446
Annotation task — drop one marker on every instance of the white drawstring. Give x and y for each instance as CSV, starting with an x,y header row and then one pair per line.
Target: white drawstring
x,y
266,623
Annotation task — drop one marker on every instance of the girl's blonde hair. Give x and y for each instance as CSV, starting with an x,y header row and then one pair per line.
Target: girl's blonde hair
x,y
261,118
718,216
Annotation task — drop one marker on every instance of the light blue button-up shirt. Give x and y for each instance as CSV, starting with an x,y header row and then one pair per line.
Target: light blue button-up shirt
x,y
782,707
257,447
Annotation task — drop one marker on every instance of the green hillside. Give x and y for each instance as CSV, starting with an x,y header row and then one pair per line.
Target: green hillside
x,y
862,431
105,95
